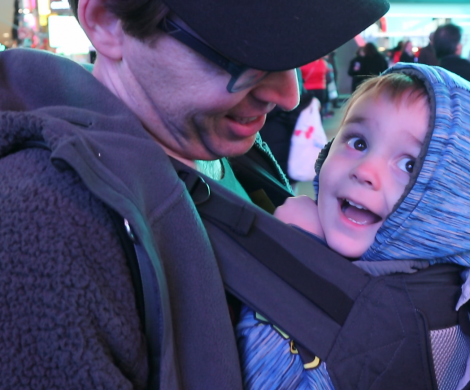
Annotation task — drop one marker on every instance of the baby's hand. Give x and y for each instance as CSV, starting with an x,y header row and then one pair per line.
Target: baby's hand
x,y
301,211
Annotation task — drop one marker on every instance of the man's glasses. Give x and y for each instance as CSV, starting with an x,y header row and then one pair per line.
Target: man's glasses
x,y
242,76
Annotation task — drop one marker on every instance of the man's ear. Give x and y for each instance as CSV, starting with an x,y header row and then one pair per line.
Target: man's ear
x,y
459,49
102,27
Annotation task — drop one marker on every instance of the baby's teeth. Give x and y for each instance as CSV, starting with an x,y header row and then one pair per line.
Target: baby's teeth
x,y
356,205
359,223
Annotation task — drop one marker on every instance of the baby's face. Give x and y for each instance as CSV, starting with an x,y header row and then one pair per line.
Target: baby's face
x,y
367,169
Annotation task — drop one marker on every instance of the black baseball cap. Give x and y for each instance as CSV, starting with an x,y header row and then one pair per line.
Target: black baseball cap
x,y
276,35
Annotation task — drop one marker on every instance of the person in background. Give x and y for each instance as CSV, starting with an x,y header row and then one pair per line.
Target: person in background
x,y
354,69
372,64
331,92
449,49
315,76
407,54
427,55
331,58
396,52
279,126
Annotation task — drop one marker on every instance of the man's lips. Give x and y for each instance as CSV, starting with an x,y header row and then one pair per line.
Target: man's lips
x,y
244,120
357,213
246,126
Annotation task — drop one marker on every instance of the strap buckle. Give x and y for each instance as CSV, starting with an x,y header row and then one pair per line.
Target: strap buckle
x,y
197,187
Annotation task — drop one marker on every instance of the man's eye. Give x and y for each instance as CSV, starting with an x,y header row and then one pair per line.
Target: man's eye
x,y
406,164
357,143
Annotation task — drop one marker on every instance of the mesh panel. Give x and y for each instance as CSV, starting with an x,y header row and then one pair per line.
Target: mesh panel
x,y
450,349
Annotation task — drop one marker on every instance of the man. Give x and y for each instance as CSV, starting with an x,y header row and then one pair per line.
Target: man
x,y
190,79
448,50
427,55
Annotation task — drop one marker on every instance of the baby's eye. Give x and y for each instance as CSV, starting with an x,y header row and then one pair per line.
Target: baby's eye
x,y
357,143
406,164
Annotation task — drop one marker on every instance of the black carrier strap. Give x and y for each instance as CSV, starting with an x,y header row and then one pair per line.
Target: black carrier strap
x,y
274,276
239,223
373,332
256,174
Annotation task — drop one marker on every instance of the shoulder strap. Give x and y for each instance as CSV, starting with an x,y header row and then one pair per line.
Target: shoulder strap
x,y
257,172
256,266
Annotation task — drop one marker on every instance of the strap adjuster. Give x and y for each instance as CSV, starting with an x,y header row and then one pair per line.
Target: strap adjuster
x,y
197,187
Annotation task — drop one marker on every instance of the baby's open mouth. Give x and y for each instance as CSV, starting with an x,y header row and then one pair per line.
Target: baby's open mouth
x,y
358,214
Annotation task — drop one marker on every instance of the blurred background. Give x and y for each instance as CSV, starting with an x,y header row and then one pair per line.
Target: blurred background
x,y
49,25
403,34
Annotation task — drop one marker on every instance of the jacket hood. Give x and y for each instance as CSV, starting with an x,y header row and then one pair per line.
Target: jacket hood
x,y
431,221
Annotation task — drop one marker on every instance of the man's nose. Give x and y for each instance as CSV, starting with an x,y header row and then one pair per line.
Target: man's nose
x,y
281,88
367,173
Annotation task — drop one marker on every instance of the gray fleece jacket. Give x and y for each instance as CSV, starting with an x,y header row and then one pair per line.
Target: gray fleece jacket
x,y
68,317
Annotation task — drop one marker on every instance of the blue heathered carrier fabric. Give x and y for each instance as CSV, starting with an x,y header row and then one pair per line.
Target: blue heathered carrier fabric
x,y
432,221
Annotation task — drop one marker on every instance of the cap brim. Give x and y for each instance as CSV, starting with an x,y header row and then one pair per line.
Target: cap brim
x,y
277,35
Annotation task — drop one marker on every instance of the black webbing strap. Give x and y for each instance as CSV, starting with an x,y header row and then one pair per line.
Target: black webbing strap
x,y
255,173
146,293
239,222
133,262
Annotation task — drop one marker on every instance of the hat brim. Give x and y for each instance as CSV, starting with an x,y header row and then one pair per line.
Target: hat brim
x,y
277,35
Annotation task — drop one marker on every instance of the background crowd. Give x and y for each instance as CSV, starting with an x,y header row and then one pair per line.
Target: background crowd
x,y
319,80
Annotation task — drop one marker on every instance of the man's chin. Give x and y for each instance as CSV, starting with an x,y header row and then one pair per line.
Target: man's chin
x,y
232,148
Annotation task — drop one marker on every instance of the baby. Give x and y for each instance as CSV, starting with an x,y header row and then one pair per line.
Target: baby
x,y
393,185
368,165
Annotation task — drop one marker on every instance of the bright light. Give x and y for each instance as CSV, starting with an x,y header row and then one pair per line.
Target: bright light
x,y
67,36
444,16
415,49
26,11
381,48
43,7
63,4
6,35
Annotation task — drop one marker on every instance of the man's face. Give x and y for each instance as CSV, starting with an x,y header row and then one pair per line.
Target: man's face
x,y
182,99
367,169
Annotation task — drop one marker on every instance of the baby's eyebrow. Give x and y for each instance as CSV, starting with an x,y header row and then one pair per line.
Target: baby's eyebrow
x,y
415,139
355,119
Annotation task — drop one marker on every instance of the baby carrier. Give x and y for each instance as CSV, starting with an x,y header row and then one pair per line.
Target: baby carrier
x,y
394,331
372,332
